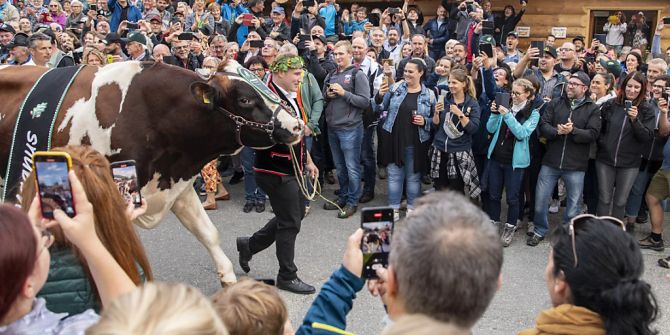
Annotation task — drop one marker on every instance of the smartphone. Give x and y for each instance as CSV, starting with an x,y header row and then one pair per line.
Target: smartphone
x,y
101,12
602,38
246,19
397,10
487,27
124,174
53,183
666,20
93,7
502,99
628,104
377,225
308,3
133,25
487,49
539,45
256,44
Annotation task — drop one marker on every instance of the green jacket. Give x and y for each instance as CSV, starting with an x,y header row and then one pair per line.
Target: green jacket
x,y
312,101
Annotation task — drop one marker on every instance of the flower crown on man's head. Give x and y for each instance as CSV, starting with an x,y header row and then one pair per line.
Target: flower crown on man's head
x,y
286,62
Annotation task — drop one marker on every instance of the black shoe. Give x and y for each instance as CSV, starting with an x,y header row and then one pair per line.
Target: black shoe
x,y
650,243
642,219
382,173
330,177
426,180
347,212
337,192
245,253
330,207
534,240
630,228
236,178
260,207
296,286
366,197
248,206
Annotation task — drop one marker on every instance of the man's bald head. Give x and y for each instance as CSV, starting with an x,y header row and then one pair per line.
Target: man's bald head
x,y
360,47
160,51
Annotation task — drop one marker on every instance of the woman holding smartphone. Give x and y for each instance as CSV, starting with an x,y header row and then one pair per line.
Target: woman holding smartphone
x,y
69,287
627,126
200,19
405,131
509,153
452,163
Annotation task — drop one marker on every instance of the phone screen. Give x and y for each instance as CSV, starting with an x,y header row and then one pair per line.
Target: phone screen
x,y
93,7
539,45
487,49
256,44
53,185
628,104
246,19
133,25
125,177
502,99
377,224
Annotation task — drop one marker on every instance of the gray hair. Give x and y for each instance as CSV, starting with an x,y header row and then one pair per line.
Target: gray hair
x,y
288,49
447,258
34,38
659,62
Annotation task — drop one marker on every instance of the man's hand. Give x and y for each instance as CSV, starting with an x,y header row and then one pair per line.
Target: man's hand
x,y
353,256
383,89
312,170
337,89
377,287
256,22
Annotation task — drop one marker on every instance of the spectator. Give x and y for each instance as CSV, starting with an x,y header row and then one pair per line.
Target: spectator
x,y
304,19
377,44
251,307
328,11
159,308
358,24
512,54
269,50
182,54
624,131
95,58
112,44
506,24
452,161
616,29
137,47
55,15
8,13
276,26
633,63
76,19
40,49
121,11
25,26
638,30
393,45
508,154
567,64
550,41
569,124
594,281
414,20
438,34
347,95
418,51
405,131
452,237
160,52
24,246
200,20
318,60
551,82
19,51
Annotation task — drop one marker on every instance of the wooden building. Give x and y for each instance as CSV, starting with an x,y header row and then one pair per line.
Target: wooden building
x,y
579,17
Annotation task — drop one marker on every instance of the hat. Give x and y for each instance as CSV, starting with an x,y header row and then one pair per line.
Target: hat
x,y
7,28
487,39
320,38
137,37
20,40
180,12
578,38
278,9
112,38
513,33
551,51
154,17
583,77
611,66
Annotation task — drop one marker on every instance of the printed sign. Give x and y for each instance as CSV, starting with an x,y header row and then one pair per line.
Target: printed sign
x,y
559,32
523,31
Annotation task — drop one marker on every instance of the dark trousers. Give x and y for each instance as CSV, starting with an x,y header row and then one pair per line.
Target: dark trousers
x,y
288,204
443,182
369,161
504,176
591,188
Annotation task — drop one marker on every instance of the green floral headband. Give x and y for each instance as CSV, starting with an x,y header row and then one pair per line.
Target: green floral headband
x,y
285,63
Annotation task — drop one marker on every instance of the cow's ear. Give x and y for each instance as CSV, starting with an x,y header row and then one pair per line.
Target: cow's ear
x,y
203,93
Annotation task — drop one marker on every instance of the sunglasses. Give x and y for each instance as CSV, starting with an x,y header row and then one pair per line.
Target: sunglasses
x,y
580,219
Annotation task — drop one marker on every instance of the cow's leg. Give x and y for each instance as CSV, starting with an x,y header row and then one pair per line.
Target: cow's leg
x,y
192,215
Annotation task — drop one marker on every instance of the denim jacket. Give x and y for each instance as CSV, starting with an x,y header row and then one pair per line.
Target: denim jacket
x,y
394,98
522,132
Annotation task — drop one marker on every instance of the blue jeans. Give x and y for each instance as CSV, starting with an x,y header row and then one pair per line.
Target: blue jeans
x,y
369,161
574,184
398,175
345,145
503,175
253,193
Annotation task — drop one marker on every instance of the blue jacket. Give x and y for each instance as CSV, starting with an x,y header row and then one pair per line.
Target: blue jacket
x,y
394,98
522,132
328,313
134,14
329,14
351,26
440,34
464,143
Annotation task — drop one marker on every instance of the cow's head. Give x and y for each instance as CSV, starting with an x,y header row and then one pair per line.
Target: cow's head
x,y
262,119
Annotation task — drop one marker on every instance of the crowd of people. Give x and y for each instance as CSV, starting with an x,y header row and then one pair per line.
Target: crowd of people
x,y
450,104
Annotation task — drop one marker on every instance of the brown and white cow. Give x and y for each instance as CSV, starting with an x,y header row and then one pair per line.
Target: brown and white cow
x,y
169,120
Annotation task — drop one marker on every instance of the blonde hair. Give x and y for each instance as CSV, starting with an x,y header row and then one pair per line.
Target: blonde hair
x,y
463,77
346,45
419,324
96,53
160,308
251,308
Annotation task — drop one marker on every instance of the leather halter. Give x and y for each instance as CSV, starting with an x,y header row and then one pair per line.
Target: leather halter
x,y
240,121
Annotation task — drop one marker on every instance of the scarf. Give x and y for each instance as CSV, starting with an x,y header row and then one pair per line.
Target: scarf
x,y
567,320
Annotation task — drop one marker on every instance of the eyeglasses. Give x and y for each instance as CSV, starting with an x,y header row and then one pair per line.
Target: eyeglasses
x,y
566,49
581,219
516,94
269,45
258,70
181,47
573,84
46,240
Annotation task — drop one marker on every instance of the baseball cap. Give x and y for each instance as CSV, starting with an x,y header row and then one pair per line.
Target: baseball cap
x,y
513,33
320,38
7,28
20,40
611,66
487,39
278,9
583,77
154,17
112,38
551,51
137,37
578,38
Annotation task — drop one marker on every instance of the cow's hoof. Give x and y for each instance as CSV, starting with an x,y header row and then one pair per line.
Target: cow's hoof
x,y
225,284
223,197
245,253
209,207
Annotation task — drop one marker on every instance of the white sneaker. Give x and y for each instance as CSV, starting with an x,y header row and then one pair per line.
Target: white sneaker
x,y
396,215
554,206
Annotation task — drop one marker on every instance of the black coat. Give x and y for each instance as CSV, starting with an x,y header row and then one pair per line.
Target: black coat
x,y
622,141
191,64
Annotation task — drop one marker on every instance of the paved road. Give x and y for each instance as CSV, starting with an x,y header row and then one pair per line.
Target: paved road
x,y
176,256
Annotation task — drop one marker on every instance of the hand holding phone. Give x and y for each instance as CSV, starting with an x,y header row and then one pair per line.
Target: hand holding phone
x,y
246,19
124,174
375,242
502,99
53,183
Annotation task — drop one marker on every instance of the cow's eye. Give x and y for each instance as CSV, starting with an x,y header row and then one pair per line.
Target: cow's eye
x,y
245,101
